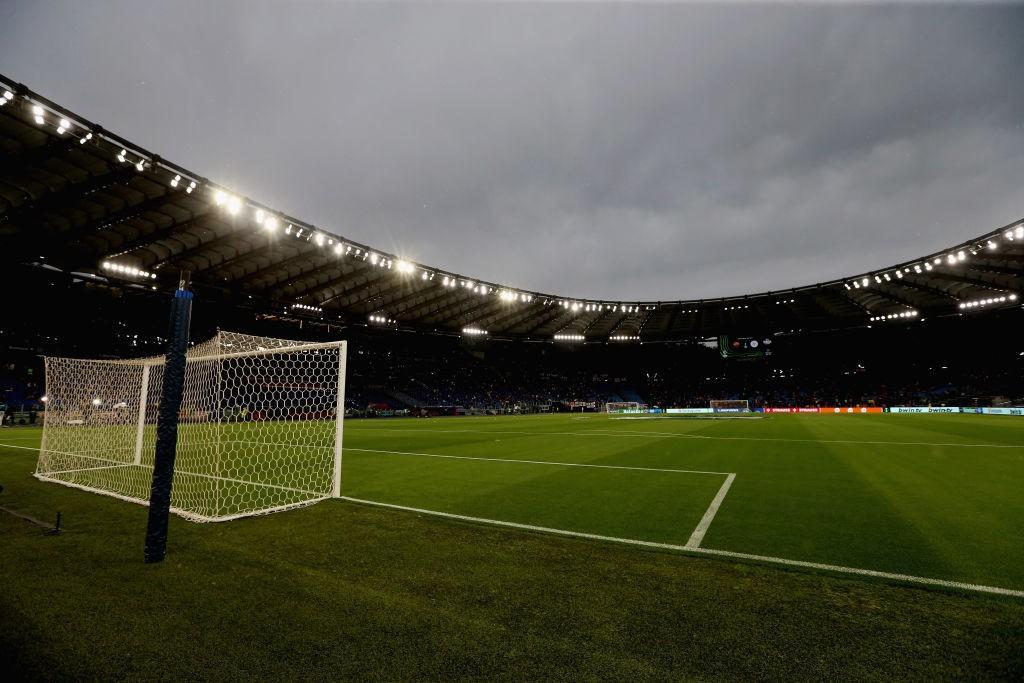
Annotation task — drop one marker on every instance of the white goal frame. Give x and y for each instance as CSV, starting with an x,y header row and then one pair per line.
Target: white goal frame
x,y
620,406
260,428
730,406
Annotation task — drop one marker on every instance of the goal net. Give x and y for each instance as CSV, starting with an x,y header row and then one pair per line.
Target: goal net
x,y
624,407
259,429
731,406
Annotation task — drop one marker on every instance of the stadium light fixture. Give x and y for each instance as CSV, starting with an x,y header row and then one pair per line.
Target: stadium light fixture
x,y
1019,231
63,126
474,332
37,115
404,267
234,205
864,282
307,307
319,239
84,139
568,337
6,97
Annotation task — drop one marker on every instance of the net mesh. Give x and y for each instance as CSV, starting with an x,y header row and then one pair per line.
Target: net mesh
x,y
621,406
259,426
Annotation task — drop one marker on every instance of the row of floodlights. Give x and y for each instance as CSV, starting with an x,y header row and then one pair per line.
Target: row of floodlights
x,y
307,307
380,319
595,307
785,301
894,316
127,270
565,336
736,308
233,205
951,259
624,337
474,332
987,302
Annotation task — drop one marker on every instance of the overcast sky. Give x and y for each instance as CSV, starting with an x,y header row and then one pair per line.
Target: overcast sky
x,y
592,150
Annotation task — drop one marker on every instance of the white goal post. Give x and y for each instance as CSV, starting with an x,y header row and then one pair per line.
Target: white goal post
x,y
259,430
624,406
730,406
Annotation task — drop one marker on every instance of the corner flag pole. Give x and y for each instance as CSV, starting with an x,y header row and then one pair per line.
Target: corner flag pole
x,y
167,422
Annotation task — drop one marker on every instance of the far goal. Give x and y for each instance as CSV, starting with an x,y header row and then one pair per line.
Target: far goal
x,y
625,407
730,406
259,430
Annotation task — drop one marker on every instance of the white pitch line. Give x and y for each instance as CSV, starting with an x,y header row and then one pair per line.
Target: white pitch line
x,y
892,576
26,448
668,435
702,528
535,462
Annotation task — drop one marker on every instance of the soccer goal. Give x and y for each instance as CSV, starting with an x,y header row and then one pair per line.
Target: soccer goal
x,y
259,429
730,406
624,407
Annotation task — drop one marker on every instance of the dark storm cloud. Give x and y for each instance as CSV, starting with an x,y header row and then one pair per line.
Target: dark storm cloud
x,y
657,151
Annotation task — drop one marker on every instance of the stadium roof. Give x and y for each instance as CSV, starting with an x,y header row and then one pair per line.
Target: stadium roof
x,y
81,200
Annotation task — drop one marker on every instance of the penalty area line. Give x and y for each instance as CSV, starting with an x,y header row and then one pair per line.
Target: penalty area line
x,y
892,576
702,528
539,462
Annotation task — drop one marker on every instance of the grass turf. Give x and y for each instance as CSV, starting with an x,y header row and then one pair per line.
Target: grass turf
x,y
343,589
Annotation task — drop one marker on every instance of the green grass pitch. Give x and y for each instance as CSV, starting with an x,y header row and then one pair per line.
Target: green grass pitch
x,y
405,594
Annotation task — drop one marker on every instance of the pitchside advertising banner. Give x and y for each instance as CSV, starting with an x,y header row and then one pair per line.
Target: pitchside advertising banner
x,y
901,409
858,410
827,409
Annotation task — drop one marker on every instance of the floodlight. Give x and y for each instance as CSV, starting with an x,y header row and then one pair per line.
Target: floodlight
x,y
234,205
218,197
405,267
1019,232
319,239
338,248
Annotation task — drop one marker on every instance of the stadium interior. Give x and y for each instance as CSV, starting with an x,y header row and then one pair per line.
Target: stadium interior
x,y
853,546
